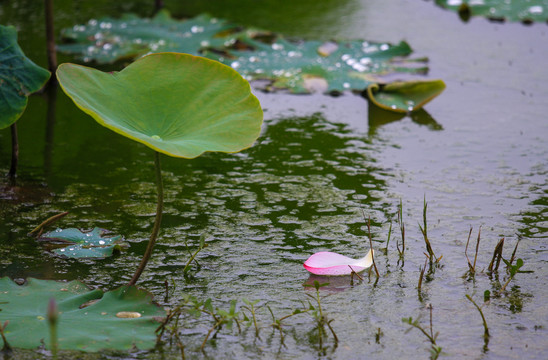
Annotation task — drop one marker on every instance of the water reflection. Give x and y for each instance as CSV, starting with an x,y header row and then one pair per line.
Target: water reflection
x,y
298,190
336,284
378,117
51,94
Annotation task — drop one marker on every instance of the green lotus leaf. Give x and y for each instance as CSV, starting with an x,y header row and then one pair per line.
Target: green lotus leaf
x,y
78,244
87,319
316,66
404,96
524,11
177,104
19,77
107,40
297,65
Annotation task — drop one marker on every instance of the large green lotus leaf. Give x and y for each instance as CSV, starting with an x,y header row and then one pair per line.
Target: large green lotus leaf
x,y
300,66
80,327
511,10
19,77
78,244
404,96
177,104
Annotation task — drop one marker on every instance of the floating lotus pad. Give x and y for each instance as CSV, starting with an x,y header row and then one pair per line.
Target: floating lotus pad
x,y
340,66
19,77
297,65
107,40
524,11
88,320
78,244
404,96
177,104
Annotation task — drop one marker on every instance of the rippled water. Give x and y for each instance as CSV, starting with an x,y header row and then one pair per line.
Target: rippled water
x,y
478,155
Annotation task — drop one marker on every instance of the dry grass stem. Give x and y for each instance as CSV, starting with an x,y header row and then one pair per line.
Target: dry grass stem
x,y
497,256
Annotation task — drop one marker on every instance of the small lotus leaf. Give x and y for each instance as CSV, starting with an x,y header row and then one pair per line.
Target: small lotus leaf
x,y
78,244
19,77
87,319
525,11
404,96
177,104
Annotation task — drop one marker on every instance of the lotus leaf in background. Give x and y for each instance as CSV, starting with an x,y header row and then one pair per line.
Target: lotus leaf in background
x,y
316,66
177,104
404,96
19,77
88,320
74,243
296,65
525,11
107,40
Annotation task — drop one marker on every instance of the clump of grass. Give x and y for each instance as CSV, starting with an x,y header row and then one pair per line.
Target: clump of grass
x,y
424,231
278,323
192,306
220,318
320,317
512,270
201,246
250,306
435,349
472,266
497,257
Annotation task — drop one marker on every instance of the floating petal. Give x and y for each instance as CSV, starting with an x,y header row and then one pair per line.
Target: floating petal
x,y
333,264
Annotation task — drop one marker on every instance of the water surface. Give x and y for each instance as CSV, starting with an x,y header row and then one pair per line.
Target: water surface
x,y
478,155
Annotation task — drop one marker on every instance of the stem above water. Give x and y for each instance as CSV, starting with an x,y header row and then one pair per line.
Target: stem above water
x,y
157,221
50,39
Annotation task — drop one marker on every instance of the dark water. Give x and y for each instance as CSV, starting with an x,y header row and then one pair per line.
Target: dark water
x,y
478,155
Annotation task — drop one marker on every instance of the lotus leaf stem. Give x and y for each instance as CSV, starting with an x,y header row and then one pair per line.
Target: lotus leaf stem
x,y
14,151
157,221
50,39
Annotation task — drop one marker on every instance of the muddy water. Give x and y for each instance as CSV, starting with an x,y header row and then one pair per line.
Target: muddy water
x,y
478,155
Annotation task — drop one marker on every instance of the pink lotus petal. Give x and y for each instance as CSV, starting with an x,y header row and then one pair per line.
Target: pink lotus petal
x,y
333,264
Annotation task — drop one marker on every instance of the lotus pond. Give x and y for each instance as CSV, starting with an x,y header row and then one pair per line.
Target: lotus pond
x,y
477,154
